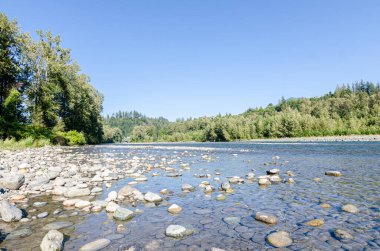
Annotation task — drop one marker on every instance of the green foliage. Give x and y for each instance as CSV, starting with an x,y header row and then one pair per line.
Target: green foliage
x,y
349,110
127,121
41,87
69,138
112,134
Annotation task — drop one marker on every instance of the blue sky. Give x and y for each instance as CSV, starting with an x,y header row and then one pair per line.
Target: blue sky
x,y
182,59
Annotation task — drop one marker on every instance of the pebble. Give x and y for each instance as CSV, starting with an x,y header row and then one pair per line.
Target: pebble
x,y
111,207
333,173
188,188
123,214
266,218
96,245
174,209
341,234
279,239
57,225
349,208
315,223
176,231
220,197
42,215
152,197
39,204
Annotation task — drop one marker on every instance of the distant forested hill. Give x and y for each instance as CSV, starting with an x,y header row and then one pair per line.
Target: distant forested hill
x,y
350,109
144,125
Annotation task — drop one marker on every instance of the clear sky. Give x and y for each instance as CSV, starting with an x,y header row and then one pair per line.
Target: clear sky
x,y
203,57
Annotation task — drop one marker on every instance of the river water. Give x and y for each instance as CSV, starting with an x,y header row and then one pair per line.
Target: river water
x,y
293,204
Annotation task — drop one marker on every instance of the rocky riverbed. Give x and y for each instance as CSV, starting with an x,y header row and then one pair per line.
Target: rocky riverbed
x,y
230,196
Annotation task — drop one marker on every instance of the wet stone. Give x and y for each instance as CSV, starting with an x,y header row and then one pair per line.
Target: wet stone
x,y
20,233
52,241
57,225
349,208
266,218
95,245
279,239
231,220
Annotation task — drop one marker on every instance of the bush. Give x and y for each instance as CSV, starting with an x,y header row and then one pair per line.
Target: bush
x,y
69,138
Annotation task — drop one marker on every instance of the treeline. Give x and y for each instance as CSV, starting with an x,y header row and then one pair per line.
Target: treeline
x,y
127,121
43,94
350,109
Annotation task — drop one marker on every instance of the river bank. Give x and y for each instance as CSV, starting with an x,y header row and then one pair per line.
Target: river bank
x,y
232,196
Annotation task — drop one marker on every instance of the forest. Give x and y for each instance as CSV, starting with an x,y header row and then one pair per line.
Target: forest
x,y
350,109
44,97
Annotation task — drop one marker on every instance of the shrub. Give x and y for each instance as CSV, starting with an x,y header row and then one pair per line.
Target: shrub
x,y
69,138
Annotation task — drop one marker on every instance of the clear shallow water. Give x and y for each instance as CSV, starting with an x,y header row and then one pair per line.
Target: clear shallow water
x,y
359,163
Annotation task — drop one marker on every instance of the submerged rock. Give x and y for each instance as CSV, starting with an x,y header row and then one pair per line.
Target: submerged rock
x,y
123,214
95,245
341,234
152,197
266,218
52,241
279,239
174,209
188,188
315,223
177,231
112,207
58,225
273,171
333,173
9,212
349,208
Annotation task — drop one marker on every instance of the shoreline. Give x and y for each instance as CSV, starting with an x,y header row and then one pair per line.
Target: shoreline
x,y
345,138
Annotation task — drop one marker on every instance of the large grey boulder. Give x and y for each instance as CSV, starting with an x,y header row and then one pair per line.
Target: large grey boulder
x,y
52,241
9,212
12,181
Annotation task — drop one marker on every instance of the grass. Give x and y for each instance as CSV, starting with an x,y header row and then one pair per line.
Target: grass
x,y
12,144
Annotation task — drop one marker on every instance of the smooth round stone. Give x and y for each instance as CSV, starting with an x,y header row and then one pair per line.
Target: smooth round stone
x,y
152,197
315,223
82,204
141,179
9,213
220,197
164,191
42,215
273,171
342,234
203,211
57,225
325,205
123,214
111,207
52,241
333,173
112,195
225,185
95,245
349,208
39,204
175,231
21,233
279,239
188,188
266,218
112,237
264,182
232,220
70,203
174,209
96,209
